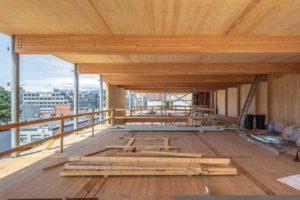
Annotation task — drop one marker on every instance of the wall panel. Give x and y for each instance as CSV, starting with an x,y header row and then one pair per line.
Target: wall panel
x,y
285,98
232,102
221,102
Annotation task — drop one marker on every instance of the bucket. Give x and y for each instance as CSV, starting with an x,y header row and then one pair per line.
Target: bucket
x,y
248,124
260,121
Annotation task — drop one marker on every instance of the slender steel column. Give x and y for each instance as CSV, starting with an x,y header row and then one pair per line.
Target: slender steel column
x,y
15,96
129,100
76,97
101,97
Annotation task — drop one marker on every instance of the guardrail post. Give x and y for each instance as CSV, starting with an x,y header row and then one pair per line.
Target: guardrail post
x,y
112,116
62,125
93,129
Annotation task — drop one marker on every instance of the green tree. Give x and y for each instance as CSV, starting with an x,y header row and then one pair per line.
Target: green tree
x,y
4,106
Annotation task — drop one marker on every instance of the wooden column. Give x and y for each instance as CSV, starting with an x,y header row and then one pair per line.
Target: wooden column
x,y
115,99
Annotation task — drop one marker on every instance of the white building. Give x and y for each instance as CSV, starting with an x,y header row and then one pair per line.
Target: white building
x,y
47,100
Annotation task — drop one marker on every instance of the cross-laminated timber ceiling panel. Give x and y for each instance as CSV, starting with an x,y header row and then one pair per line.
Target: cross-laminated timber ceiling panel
x,y
146,17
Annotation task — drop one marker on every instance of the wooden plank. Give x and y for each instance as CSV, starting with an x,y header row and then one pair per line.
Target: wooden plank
x,y
142,138
128,147
149,171
70,166
140,148
105,44
164,153
186,68
217,161
129,173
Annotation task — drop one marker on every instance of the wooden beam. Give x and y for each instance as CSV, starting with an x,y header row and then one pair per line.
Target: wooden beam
x,y
118,44
214,161
178,79
174,90
186,68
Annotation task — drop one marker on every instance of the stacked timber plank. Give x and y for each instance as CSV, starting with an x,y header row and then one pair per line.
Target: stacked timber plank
x,y
150,166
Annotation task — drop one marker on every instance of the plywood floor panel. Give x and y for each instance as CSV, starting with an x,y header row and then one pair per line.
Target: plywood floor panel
x,y
254,164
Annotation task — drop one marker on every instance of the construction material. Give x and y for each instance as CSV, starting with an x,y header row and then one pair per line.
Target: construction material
x,y
150,166
165,153
128,147
167,128
213,161
140,148
261,145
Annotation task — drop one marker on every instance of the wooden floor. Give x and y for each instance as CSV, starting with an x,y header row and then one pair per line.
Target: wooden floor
x,y
24,177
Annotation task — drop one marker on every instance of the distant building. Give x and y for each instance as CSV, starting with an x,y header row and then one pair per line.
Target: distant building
x,y
47,100
89,100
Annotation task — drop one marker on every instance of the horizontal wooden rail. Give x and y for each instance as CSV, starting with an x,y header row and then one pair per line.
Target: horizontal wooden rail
x,y
51,119
53,137
151,119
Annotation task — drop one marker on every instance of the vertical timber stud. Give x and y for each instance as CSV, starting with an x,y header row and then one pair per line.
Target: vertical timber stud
x,y
76,97
101,98
62,125
15,87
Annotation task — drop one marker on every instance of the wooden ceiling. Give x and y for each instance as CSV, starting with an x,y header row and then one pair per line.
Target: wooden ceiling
x,y
153,44
150,17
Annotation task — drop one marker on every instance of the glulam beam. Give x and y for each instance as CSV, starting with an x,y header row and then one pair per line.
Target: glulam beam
x,y
177,79
186,68
137,44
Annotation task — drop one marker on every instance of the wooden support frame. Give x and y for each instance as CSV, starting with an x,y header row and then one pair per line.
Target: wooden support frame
x,y
211,161
146,166
128,147
110,44
50,138
189,68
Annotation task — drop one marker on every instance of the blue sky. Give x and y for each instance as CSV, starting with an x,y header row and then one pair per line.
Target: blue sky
x,y
41,72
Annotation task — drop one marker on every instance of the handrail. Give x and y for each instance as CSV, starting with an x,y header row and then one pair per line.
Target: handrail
x,y
51,119
53,137
110,118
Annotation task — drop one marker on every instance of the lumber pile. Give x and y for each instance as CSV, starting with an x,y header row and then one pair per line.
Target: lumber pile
x,y
147,166
129,147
